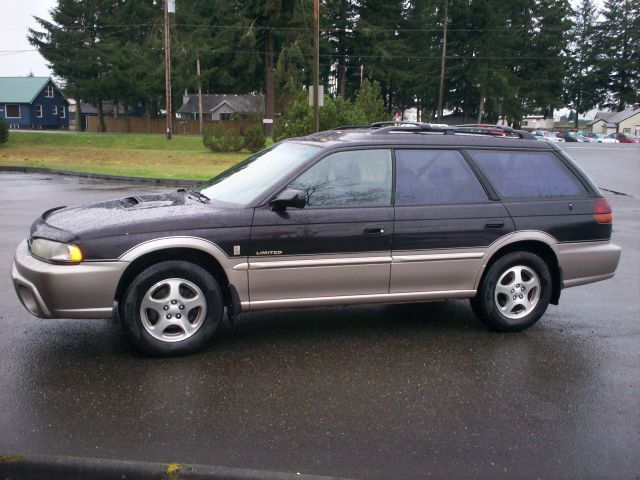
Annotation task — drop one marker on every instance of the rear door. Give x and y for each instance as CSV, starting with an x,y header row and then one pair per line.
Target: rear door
x,y
444,222
338,245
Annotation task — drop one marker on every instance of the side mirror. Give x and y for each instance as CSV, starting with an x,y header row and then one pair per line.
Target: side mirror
x,y
289,198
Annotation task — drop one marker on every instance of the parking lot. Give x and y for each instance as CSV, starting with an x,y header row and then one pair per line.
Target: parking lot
x,y
400,391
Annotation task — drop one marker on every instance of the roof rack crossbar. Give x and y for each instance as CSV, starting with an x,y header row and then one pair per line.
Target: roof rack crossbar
x,y
505,128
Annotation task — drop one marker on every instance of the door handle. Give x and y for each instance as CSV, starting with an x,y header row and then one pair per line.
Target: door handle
x,y
373,230
493,225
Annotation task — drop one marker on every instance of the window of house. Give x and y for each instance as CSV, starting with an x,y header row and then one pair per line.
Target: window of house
x,y
522,175
63,113
39,111
48,91
346,179
435,177
225,116
12,111
55,110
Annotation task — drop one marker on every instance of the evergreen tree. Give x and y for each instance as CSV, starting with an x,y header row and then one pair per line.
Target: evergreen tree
x,y
73,44
582,89
618,53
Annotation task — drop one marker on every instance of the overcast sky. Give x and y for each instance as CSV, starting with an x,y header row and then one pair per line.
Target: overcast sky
x,y
15,18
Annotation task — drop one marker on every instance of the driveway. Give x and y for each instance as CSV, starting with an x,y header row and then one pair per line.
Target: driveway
x,y
404,391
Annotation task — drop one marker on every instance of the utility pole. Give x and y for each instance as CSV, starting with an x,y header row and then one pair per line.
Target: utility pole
x,y
316,66
199,91
444,54
167,67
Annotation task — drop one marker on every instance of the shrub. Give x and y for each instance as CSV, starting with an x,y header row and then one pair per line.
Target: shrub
x,y
218,139
254,139
297,119
369,101
4,131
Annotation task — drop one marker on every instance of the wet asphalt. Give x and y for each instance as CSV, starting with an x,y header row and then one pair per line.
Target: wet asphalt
x,y
404,391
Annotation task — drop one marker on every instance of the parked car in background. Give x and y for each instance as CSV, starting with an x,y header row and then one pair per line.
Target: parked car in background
x,y
593,137
552,137
622,138
569,136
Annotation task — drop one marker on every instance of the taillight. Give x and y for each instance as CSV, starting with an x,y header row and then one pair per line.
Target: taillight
x,y
602,211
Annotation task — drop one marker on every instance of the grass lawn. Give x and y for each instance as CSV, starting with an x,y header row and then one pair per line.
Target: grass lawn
x,y
183,157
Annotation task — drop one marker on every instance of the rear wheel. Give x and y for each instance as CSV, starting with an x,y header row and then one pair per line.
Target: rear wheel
x,y
514,293
172,308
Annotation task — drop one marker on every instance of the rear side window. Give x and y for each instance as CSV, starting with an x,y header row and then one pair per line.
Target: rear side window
x,y
435,177
524,175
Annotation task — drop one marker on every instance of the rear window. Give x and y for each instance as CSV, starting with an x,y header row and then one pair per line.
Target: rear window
x,y
524,175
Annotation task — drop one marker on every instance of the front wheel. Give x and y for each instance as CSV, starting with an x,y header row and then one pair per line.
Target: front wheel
x,y
514,293
172,308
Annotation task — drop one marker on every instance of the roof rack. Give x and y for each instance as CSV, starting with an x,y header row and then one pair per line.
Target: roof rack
x,y
508,130
380,128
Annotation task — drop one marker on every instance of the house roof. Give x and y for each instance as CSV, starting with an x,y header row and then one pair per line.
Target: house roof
x,y
622,116
251,103
611,119
21,89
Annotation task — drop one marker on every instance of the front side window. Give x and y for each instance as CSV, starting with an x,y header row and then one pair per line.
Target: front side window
x,y
346,179
12,111
39,111
435,177
257,175
524,175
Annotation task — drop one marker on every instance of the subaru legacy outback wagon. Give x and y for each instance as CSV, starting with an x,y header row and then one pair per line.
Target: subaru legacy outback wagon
x,y
375,214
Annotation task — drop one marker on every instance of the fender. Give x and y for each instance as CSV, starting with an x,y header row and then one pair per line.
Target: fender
x,y
520,236
237,278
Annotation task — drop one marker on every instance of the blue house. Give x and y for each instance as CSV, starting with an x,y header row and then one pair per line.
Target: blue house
x,y
33,102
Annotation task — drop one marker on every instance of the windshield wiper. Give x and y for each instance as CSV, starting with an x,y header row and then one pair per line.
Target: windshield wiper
x,y
199,195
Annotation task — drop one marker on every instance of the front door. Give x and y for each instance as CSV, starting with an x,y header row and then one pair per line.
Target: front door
x,y
339,245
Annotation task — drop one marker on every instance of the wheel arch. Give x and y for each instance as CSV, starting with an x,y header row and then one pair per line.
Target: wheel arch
x,y
539,243
190,249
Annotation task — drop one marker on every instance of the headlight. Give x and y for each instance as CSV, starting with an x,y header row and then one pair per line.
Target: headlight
x,y
55,251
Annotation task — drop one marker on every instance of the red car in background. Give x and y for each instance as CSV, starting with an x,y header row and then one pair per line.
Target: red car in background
x,y
624,137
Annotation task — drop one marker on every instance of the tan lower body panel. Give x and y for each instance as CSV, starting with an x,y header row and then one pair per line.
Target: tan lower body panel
x,y
313,280
587,262
327,276
47,290
405,297
435,270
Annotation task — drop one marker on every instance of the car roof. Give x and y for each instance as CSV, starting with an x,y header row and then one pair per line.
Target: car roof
x,y
399,138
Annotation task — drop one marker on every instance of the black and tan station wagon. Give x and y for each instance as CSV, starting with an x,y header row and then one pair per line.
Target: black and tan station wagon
x,y
378,214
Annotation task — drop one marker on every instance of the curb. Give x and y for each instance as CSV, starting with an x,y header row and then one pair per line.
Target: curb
x,y
20,467
98,176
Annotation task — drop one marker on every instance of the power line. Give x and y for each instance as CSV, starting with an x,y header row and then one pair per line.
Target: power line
x,y
353,55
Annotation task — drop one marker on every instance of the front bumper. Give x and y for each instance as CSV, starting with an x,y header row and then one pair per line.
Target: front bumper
x,y
48,290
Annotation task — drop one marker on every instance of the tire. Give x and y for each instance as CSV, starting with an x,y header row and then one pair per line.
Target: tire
x,y
172,308
514,293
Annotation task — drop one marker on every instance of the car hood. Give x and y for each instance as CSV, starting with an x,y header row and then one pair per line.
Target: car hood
x,y
156,212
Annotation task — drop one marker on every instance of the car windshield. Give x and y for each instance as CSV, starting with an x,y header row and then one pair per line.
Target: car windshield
x,y
253,177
